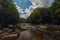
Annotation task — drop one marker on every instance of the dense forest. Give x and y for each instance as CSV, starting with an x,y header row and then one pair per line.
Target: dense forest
x,y
13,26
8,13
50,15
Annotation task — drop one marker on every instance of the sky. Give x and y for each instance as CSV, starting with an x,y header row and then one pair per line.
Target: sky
x,y
26,7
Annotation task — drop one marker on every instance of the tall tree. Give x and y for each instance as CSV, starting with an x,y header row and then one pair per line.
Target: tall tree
x,y
39,15
8,13
55,12
46,15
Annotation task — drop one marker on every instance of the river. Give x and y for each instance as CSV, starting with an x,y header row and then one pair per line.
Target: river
x,y
41,34
28,35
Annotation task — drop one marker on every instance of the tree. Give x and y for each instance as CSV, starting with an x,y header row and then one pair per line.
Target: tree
x,y
54,12
39,15
8,13
49,15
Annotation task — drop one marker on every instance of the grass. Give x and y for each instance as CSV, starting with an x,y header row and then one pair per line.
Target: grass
x,y
17,31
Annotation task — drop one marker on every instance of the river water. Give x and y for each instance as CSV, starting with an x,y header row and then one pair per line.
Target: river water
x,y
31,33
28,35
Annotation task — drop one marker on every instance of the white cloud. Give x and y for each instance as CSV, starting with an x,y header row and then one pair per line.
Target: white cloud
x,y
22,16
41,3
28,12
35,4
18,8
21,12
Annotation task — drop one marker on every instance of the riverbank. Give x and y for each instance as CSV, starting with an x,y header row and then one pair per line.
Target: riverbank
x,y
34,32
9,37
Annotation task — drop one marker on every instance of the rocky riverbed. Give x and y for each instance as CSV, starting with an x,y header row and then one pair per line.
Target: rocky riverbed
x,y
35,32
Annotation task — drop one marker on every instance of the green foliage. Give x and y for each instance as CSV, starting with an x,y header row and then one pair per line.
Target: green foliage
x,y
55,12
17,31
8,13
39,15
22,20
46,15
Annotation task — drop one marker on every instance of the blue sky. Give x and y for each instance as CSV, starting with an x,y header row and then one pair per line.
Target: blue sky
x,y
25,7
23,3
